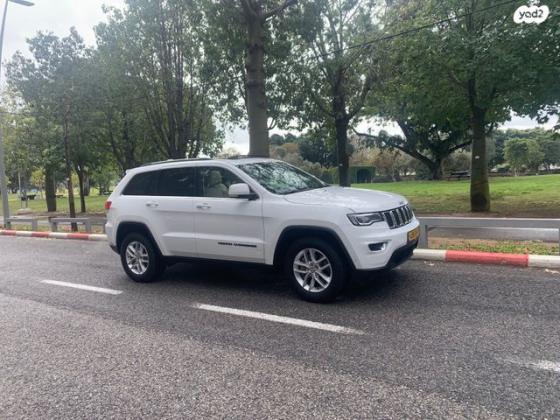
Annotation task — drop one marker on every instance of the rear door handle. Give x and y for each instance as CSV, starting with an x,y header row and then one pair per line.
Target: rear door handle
x,y
152,204
203,206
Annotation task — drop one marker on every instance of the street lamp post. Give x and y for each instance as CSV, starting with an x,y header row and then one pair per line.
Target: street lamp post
x,y
3,184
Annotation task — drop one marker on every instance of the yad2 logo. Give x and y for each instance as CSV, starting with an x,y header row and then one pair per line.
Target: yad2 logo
x,y
531,14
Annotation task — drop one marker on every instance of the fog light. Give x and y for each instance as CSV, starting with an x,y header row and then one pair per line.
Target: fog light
x,y
380,246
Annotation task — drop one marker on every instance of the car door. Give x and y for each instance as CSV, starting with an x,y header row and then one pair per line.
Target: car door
x,y
226,228
172,208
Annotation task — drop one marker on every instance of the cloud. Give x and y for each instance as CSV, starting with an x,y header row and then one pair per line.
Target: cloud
x,y
56,16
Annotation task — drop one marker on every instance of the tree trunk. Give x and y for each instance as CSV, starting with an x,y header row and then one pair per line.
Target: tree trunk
x,y
342,152
436,170
480,189
50,190
87,185
81,187
256,90
71,204
129,159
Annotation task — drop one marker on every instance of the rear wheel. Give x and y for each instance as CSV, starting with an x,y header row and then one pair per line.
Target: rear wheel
x,y
140,259
316,270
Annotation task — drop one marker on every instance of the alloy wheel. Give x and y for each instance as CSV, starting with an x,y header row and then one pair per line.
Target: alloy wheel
x,y
312,270
137,258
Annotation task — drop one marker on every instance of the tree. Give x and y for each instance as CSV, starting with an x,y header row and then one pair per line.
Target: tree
x,y
429,145
277,140
547,142
122,125
33,144
391,163
160,45
242,39
48,84
522,153
331,80
483,53
551,151
433,118
314,146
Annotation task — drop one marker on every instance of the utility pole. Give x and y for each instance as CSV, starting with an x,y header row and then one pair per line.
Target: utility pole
x,y
3,184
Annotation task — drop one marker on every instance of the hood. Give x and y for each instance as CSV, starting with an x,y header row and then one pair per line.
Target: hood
x,y
354,199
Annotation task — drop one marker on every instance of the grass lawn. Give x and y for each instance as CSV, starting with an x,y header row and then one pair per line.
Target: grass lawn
x,y
94,205
506,247
524,196
527,196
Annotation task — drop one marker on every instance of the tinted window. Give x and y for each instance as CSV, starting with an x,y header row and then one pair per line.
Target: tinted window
x,y
215,182
142,184
179,182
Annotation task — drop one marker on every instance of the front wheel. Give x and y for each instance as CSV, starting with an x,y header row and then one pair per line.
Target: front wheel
x,y
316,270
140,259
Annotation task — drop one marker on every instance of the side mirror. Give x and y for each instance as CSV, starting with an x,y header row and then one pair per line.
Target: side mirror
x,y
241,191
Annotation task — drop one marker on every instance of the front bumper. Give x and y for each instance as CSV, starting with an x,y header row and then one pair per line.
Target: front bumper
x,y
394,251
402,254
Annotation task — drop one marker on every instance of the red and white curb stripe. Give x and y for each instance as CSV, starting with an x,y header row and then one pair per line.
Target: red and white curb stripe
x,y
473,257
54,235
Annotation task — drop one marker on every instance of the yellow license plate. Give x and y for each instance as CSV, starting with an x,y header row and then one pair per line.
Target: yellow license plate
x,y
414,234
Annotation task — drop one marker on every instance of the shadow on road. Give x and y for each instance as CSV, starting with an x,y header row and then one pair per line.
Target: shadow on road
x,y
265,281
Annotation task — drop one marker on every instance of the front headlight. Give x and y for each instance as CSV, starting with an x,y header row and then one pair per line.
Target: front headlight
x,y
365,219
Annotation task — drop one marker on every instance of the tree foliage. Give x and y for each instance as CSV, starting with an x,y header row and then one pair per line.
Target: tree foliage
x,y
523,153
163,59
332,81
246,48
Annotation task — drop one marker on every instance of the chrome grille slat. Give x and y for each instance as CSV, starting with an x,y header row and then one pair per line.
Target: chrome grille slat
x,y
398,217
400,211
400,220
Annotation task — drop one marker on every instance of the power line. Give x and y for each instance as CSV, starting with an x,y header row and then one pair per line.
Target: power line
x,y
365,43
412,30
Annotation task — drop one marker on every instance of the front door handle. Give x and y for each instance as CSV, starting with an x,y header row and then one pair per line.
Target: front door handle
x,y
152,204
203,206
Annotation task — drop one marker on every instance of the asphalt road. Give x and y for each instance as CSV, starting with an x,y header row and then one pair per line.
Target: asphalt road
x,y
430,340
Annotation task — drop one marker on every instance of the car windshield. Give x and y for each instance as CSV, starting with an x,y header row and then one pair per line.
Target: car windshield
x,y
281,178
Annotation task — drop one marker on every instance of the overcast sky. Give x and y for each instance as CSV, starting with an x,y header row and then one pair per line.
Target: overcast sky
x,y
59,15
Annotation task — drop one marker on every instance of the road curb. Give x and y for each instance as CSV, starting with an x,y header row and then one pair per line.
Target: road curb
x,y
494,258
472,257
54,235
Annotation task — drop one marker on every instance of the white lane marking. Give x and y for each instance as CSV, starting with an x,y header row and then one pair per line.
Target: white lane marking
x,y
277,318
83,287
537,364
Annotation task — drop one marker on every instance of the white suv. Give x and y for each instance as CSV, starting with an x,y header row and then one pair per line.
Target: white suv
x,y
256,211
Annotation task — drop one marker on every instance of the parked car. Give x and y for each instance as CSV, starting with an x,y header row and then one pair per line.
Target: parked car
x,y
260,211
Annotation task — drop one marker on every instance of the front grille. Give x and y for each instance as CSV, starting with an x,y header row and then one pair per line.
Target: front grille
x,y
398,217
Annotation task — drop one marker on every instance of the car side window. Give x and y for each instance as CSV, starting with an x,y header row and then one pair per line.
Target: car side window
x,y
215,182
177,182
144,183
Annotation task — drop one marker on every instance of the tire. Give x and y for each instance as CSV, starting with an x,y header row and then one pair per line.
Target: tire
x,y
326,275
146,269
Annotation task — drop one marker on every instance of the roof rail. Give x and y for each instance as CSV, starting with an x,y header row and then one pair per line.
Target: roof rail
x,y
238,157
175,160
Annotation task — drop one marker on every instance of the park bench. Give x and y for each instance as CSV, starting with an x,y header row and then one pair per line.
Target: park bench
x,y
459,175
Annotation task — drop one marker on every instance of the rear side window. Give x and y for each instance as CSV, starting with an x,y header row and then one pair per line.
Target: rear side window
x,y
178,182
144,183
